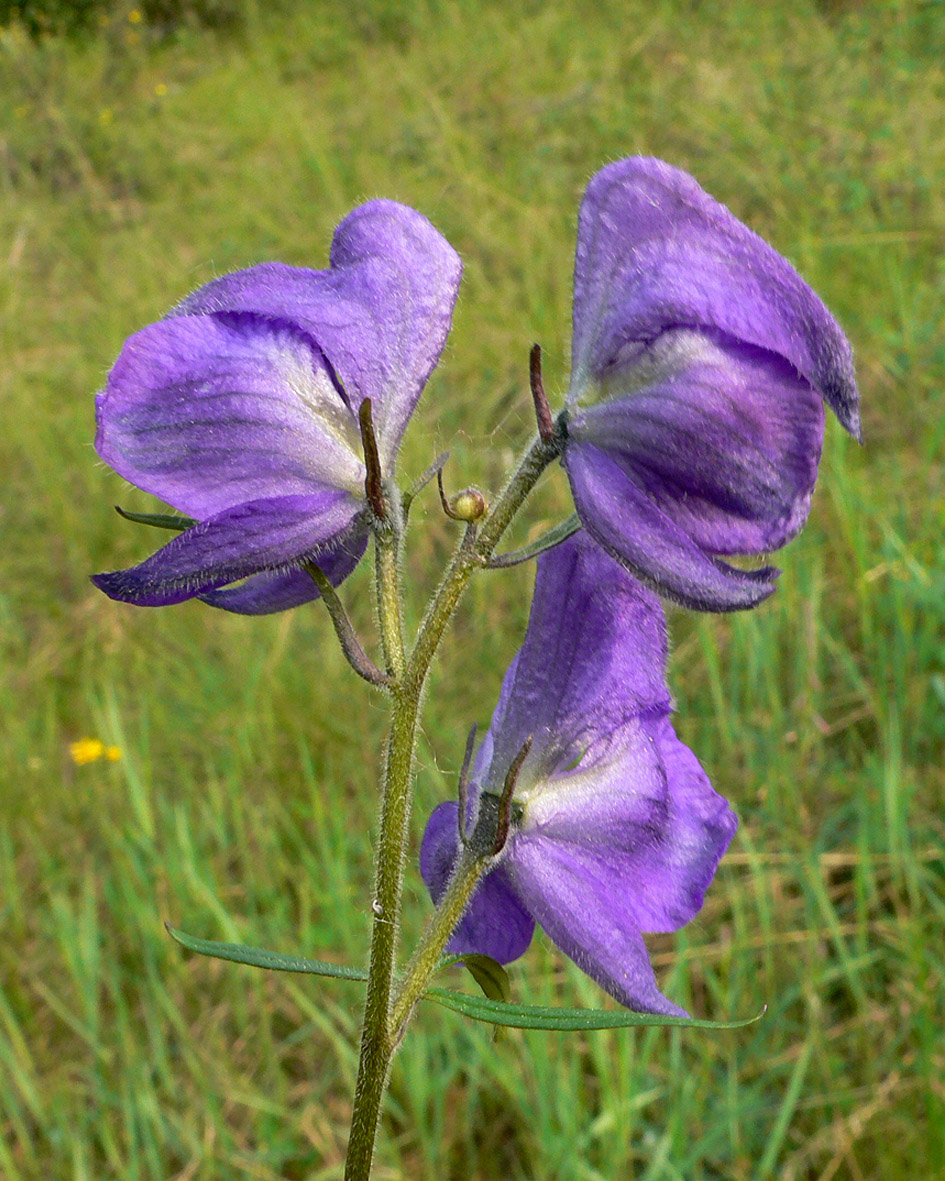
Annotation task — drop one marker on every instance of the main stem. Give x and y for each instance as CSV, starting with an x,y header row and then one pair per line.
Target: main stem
x,y
377,1046
380,1034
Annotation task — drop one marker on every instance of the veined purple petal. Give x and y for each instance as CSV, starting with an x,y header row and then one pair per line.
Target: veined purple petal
x,y
380,315
615,828
263,535
264,594
629,525
725,440
495,922
594,654
699,829
655,252
586,916
208,412
644,822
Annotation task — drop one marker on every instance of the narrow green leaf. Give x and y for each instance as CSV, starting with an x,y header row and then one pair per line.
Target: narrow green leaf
x,y
491,1011
488,973
158,520
258,957
547,541
538,1017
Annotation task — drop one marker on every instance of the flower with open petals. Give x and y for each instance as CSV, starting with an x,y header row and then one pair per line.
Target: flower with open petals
x,y
700,364
240,409
615,828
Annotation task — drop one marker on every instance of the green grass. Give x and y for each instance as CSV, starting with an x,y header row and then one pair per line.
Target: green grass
x,y
133,168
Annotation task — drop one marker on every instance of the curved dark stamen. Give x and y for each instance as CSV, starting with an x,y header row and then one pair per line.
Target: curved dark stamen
x,y
505,800
464,783
373,480
546,428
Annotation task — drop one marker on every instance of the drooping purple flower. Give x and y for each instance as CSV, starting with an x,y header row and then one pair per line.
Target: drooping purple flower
x,y
240,409
615,828
700,364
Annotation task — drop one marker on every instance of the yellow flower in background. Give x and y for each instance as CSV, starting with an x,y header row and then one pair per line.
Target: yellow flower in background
x,y
89,750
86,750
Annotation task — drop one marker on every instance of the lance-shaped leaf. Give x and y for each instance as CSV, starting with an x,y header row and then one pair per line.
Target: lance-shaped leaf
x,y
488,1009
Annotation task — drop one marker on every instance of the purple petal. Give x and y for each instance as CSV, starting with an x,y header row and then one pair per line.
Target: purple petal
x,y
264,594
210,412
699,829
263,535
586,916
380,315
722,439
656,252
495,922
641,818
594,654
627,523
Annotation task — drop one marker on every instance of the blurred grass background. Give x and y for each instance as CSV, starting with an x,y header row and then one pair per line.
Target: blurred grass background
x,y
144,150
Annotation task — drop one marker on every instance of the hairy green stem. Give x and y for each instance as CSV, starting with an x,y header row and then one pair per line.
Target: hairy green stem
x,y
470,557
429,951
377,1042
380,1032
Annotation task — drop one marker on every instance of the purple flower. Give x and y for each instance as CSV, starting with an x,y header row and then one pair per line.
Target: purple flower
x,y
615,827
240,409
700,364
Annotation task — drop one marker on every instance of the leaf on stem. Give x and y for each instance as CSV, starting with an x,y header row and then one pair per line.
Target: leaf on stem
x,y
258,957
539,1017
491,1010
157,520
488,973
547,541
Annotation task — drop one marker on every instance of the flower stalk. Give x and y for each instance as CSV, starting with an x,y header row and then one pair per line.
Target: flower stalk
x,y
429,951
354,653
